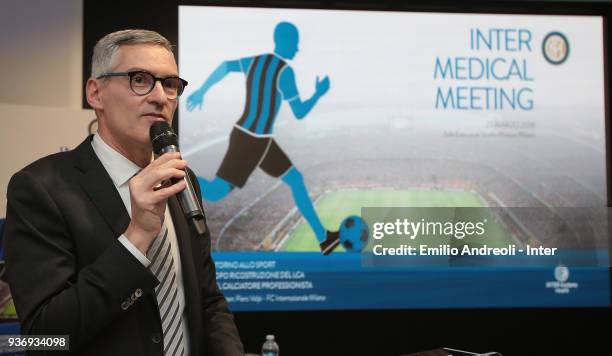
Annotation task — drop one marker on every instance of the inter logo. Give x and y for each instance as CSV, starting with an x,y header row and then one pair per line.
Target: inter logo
x,y
561,285
561,273
555,48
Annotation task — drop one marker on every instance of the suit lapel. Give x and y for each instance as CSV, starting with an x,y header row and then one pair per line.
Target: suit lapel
x,y
192,300
100,188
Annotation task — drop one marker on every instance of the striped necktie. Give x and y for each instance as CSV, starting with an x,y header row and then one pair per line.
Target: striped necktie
x,y
170,310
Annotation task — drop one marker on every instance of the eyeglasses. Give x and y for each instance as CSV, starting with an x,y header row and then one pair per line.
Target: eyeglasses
x,y
142,83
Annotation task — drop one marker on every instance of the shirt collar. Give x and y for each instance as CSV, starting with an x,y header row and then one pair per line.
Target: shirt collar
x,y
118,166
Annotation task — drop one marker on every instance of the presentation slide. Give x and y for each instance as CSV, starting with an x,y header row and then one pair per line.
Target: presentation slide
x,y
382,160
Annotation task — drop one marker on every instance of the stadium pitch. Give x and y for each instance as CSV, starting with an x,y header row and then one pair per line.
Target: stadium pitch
x,y
334,206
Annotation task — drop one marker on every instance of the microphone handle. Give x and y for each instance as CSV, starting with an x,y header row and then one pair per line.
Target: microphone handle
x,y
188,200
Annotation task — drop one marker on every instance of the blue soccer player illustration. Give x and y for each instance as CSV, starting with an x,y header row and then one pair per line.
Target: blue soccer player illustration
x,y
269,81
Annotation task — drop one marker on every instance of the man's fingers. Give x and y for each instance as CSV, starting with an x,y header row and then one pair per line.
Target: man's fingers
x,y
164,158
144,198
155,177
167,192
170,159
173,163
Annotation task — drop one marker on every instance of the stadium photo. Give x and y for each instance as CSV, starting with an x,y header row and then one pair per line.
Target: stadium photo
x,y
406,167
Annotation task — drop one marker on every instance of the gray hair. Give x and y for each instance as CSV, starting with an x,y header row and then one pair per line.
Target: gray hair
x,y
106,48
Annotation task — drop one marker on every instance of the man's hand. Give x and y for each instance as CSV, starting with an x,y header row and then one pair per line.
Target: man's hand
x,y
322,86
149,199
195,100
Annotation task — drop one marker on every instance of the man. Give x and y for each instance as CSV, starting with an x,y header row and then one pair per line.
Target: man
x,y
96,247
270,80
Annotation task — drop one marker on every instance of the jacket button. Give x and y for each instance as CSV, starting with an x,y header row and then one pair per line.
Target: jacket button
x,y
125,305
156,338
138,293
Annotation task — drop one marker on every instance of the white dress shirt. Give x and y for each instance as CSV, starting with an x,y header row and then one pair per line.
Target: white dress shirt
x,y
121,170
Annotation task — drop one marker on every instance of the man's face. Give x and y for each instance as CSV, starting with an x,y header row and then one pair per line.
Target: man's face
x,y
125,117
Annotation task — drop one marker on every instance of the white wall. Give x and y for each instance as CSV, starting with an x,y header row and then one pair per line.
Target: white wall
x,y
41,90
41,43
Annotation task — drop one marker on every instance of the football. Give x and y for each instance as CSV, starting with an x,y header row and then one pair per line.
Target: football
x,y
354,233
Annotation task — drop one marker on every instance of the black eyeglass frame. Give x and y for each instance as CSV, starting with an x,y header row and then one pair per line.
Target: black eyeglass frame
x,y
131,74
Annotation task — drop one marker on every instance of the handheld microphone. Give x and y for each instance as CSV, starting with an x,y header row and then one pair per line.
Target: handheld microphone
x,y
165,140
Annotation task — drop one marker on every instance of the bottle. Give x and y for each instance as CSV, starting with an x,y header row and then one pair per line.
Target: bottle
x,y
270,347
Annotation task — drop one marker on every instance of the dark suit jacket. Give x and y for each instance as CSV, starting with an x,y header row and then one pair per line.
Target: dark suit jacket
x,y
69,274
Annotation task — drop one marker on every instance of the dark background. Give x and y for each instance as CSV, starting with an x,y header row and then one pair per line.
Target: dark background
x,y
516,331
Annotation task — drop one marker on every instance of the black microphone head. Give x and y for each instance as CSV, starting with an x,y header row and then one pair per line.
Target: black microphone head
x,y
162,136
